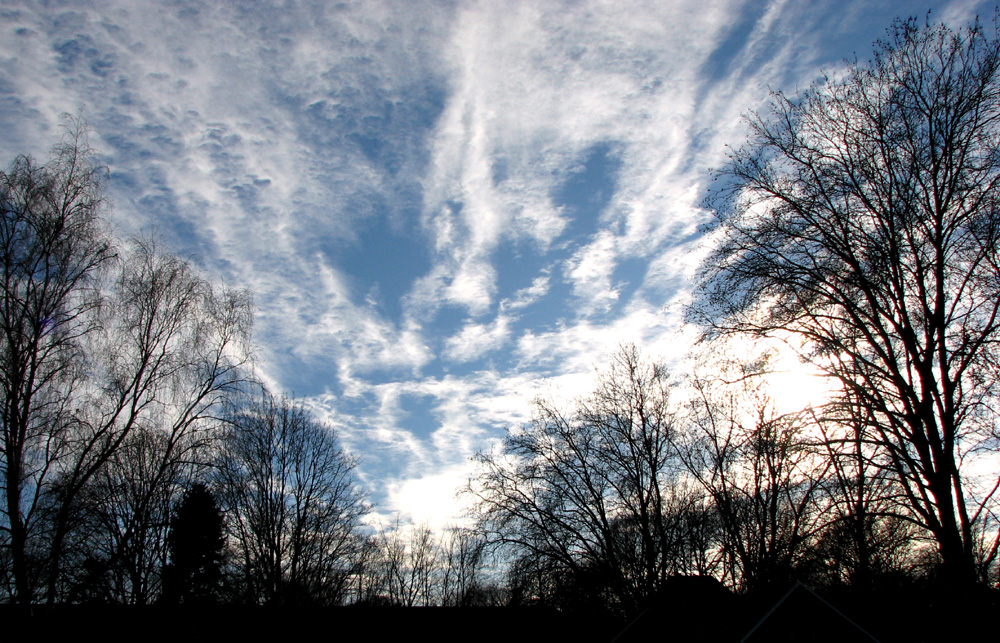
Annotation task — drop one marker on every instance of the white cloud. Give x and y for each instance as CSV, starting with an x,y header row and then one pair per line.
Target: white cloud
x,y
472,285
591,270
527,296
476,340
433,500
581,346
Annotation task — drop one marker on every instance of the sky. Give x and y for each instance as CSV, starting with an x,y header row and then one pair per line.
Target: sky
x,y
443,209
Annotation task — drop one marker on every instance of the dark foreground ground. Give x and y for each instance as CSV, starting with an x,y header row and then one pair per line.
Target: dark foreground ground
x,y
687,614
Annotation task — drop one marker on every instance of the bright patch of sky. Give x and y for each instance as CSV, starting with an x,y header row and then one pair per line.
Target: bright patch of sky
x,y
443,208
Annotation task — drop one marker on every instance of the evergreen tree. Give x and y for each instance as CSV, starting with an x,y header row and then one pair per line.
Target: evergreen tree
x,y
195,545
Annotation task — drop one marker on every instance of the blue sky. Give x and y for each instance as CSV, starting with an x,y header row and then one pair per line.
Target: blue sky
x,y
444,209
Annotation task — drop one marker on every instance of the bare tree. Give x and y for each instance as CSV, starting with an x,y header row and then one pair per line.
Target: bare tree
x,y
169,350
423,567
761,474
863,218
408,565
587,492
869,537
98,342
463,583
291,502
115,544
366,584
53,249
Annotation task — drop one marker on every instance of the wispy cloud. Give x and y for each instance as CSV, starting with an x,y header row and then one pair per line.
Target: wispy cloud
x,y
529,295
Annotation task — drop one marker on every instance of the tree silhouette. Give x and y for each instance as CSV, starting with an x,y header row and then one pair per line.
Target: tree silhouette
x,y
54,247
291,500
195,544
588,493
862,220
761,474
103,344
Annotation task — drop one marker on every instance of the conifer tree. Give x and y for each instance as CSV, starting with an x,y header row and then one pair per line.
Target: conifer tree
x,y
195,544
